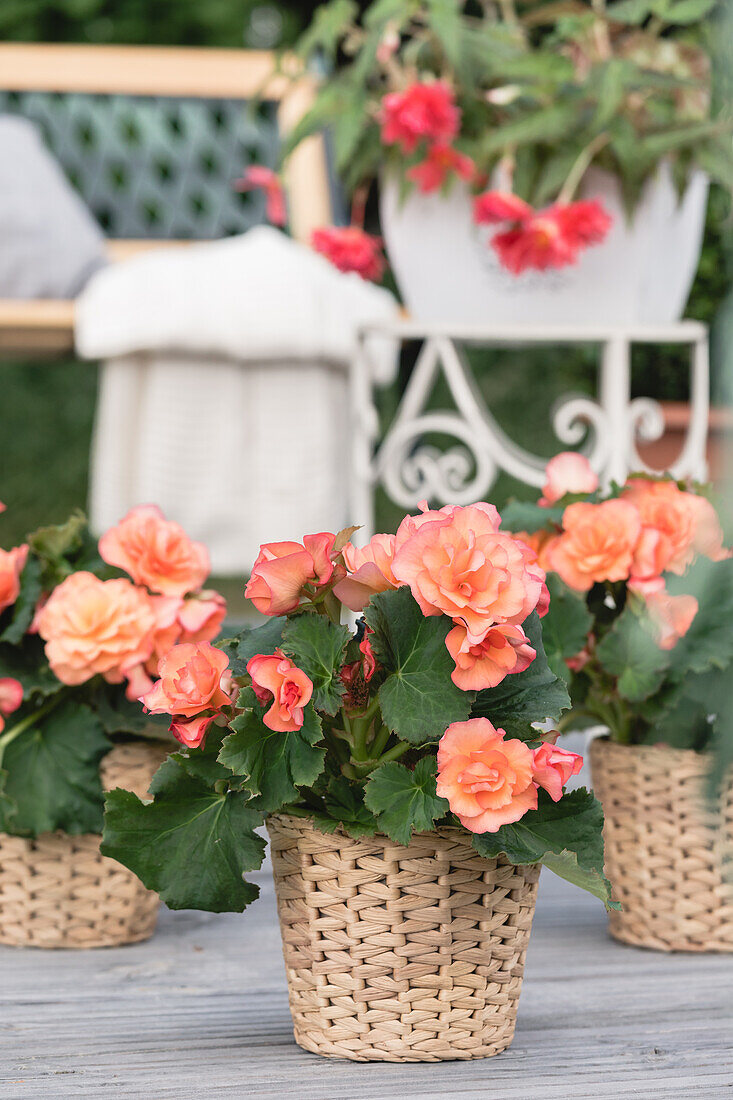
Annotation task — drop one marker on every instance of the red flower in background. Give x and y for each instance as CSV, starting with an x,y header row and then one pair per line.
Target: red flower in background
x,y
350,249
540,239
441,162
257,177
421,111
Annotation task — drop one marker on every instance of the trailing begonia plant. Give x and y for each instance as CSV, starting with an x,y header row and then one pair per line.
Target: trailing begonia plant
x,y
642,605
82,627
517,100
429,713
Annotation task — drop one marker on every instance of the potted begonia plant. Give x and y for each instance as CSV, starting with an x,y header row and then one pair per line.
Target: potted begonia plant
x,y
544,161
640,626
82,627
408,792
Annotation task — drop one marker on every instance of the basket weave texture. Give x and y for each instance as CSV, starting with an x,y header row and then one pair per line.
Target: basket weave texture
x,y
668,854
400,954
58,890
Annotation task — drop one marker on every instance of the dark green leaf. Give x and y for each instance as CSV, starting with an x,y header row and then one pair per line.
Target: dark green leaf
x,y
317,647
405,800
525,697
191,845
629,653
565,627
53,773
260,639
344,806
418,699
27,663
273,764
567,836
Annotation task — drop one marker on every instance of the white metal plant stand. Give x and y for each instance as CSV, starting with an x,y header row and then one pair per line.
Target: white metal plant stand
x,y
412,470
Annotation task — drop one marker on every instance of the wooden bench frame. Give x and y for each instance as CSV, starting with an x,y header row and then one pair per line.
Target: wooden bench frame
x,y
46,327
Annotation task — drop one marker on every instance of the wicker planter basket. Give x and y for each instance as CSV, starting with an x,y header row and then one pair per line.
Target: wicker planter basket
x,y
665,850
59,891
398,954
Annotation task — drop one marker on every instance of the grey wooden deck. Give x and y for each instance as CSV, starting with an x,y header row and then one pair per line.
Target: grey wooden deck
x,y
201,1011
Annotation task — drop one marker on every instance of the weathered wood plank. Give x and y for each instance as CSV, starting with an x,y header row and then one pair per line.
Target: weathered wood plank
x,y
201,1011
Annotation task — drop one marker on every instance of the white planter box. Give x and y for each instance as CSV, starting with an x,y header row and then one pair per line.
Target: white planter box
x,y
641,274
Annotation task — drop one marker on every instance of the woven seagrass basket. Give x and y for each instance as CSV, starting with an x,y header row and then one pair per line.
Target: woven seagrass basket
x,y
58,890
668,854
400,954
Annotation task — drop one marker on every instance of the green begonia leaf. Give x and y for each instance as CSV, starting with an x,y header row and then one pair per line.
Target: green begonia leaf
x,y
567,836
191,844
405,800
418,699
565,627
52,773
316,645
24,608
344,808
629,652
274,764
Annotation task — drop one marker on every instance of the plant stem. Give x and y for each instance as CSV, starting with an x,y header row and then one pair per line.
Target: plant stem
x,y
381,739
395,752
27,722
580,166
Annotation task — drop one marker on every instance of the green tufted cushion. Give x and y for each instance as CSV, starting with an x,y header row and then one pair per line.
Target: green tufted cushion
x,y
156,167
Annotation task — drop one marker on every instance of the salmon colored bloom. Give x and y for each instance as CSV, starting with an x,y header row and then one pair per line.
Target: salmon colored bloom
x,y
191,732
597,543
193,619
552,768
12,564
487,779
424,110
190,681
484,662
156,552
708,532
568,472
670,616
92,626
441,162
282,570
350,249
493,207
411,524
11,696
541,543
369,571
276,678
459,565
257,177
668,524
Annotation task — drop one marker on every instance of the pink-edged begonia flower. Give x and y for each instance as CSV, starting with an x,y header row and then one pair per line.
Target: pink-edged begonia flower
x,y
12,564
350,249
597,543
423,111
259,178
369,571
276,678
567,472
95,627
493,207
551,237
440,164
282,570
459,565
486,777
156,552
552,768
190,681
11,696
484,662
